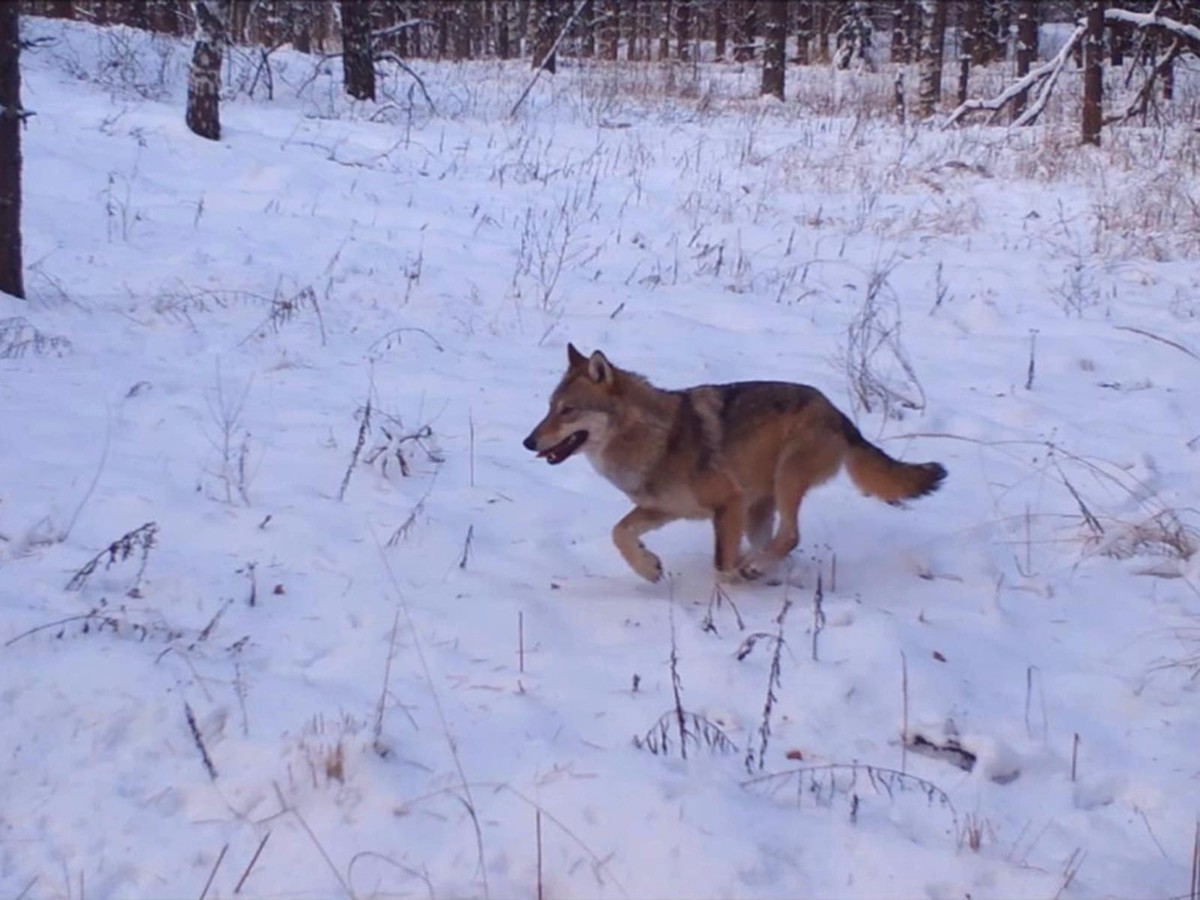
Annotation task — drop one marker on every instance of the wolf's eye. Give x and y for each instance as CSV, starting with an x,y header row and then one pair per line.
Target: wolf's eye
x,y
566,410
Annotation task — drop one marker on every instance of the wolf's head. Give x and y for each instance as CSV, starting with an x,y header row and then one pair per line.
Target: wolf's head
x,y
581,408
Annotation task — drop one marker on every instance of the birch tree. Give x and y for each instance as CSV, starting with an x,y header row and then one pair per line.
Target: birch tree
x,y
204,77
775,33
1093,72
929,57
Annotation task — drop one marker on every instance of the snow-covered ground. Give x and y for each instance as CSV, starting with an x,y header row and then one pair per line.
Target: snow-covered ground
x,y
422,674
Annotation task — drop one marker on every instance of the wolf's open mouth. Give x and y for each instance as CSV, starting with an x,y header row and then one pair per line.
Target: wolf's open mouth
x,y
565,447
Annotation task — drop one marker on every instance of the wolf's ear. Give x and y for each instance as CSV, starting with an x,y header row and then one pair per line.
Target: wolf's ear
x,y
575,359
599,368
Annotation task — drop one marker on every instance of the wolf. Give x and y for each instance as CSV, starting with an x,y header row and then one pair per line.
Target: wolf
x,y
742,454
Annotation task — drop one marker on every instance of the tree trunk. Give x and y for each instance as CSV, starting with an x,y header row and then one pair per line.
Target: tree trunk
x,y
1093,71
1077,9
503,45
1027,48
775,33
358,60
966,46
999,27
901,51
825,13
804,27
633,16
720,30
747,31
664,29
683,30
933,34
546,32
11,269
462,31
610,31
1118,42
586,23
204,78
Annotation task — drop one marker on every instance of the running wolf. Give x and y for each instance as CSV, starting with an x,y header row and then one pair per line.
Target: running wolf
x,y
740,454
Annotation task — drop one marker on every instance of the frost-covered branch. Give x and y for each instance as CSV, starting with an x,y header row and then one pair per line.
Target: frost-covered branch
x,y
1190,34
1048,73
399,27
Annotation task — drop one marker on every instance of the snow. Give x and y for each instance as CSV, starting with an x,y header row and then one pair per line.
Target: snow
x,y
400,689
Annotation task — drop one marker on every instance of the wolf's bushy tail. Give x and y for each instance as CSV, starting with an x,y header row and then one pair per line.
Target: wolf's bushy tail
x,y
878,475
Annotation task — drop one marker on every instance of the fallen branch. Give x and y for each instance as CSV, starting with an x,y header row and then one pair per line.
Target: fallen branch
x,y
1044,77
389,56
549,53
1141,101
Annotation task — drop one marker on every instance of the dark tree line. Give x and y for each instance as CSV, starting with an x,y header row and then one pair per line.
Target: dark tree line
x,y
772,34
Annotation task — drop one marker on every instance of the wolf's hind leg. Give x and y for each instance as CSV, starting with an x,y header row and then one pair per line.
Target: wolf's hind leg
x,y
627,533
760,522
789,493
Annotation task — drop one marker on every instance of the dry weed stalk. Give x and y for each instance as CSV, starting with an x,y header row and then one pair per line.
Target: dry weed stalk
x,y
198,740
679,722
774,682
464,793
141,541
822,783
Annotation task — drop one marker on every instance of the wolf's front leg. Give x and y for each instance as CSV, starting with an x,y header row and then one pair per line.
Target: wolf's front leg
x,y
727,530
627,533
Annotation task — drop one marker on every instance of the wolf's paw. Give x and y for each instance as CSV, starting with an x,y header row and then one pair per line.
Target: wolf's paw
x,y
750,571
730,576
648,566
753,568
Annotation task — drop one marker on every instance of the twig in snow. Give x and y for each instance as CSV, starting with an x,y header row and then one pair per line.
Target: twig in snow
x,y
521,642
142,538
773,681
389,56
904,712
466,551
364,426
250,866
538,830
818,616
1160,339
1032,358
213,873
718,596
377,743
677,687
1070,870
320,849
199,741
1194,891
